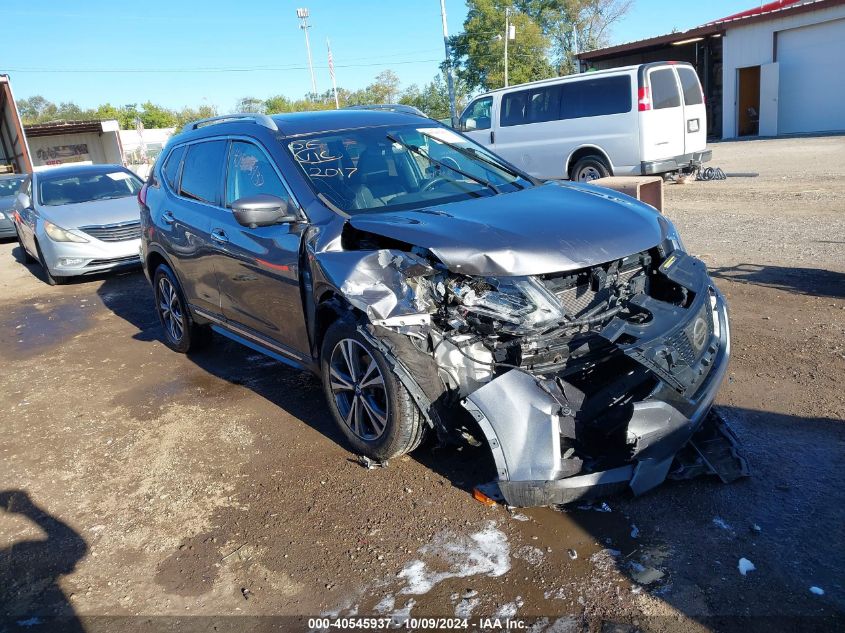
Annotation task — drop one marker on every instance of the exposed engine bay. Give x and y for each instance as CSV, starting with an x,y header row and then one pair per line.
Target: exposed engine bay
x,y
583,382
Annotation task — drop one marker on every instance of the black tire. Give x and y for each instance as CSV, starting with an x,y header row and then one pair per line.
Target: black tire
x,y
589,168
27,258
181,333
52,281
403,429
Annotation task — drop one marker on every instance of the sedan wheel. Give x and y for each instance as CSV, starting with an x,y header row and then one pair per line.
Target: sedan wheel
x,y
170,310
357,385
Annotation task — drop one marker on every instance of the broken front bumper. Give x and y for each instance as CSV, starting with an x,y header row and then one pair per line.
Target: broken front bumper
x,y
521,419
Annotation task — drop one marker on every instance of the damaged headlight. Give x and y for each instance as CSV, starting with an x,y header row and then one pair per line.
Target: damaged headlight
x,y
672,235
519,304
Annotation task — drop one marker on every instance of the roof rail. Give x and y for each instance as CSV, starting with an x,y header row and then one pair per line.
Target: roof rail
x,y
260,119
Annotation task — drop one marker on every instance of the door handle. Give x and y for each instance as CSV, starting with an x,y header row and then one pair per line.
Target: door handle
x,y
168,218
219,236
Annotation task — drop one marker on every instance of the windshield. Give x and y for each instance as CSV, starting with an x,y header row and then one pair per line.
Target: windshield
x,y
87,187
387,169
9,186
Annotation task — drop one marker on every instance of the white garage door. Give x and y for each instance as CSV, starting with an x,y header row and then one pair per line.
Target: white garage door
x,y
812,81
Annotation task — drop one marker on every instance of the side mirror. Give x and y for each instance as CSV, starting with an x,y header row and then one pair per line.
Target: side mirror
x,y
262,210
469,125
25,201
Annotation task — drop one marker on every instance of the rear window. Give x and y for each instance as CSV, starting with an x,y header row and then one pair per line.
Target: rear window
x,y
9,186
595,97
203,171
171,167
692,89
58,190
664,89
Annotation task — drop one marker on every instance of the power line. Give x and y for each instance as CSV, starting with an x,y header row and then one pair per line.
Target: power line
x,y
211,70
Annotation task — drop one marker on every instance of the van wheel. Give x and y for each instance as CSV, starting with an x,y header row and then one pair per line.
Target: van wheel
x,y
589,168
372,409
181,334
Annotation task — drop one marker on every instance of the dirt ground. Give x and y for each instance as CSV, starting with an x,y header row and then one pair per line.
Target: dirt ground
x,y
139,486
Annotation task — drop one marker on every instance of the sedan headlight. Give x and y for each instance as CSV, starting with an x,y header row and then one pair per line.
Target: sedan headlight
x,y
58,234
519,304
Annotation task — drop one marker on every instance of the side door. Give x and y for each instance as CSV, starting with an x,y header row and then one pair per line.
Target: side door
x,y
477,121
695,116
662,122
183,220
528,131
258,268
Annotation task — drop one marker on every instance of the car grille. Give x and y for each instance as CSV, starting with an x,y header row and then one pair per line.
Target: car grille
x,y
114,232
683,342
132,259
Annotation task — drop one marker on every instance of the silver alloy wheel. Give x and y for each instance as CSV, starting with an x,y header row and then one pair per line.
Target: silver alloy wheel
x,y
171,310
359,390
588,173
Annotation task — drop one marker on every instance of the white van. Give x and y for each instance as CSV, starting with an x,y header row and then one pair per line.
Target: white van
x,y
631,121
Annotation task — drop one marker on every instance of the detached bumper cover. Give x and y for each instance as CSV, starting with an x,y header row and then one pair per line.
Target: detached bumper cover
x,y
521,416
685,161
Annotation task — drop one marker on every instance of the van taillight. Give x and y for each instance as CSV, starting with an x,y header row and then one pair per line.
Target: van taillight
x,y
142,195
644,99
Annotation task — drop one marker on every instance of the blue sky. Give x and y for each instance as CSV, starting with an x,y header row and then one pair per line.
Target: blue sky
x,y
91,51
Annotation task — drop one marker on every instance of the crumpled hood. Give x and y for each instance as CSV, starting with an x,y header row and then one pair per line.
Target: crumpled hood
x,y
71,216
554,227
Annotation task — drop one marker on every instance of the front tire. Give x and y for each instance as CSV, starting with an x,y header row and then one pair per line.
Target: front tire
x,y
27,258
48,276
589,168
181,334
371,407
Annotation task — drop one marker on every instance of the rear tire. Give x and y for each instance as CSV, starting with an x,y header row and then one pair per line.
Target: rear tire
x,y
48,277
589,168
181,333
371,407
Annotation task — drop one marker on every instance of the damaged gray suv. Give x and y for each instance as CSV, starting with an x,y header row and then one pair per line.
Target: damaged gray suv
x,y
437,289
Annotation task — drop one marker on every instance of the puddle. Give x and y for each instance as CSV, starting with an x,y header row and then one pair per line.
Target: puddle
x,y
25,330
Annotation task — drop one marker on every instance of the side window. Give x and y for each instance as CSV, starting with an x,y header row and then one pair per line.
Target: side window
x,y
544,104
171,168
595,97
477,115
664,89
690,85
250,173
202,171
513,109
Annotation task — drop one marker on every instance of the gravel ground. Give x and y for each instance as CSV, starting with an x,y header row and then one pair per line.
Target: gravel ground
x,y
141,487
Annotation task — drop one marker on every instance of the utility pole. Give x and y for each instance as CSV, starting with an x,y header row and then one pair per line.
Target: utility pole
x,y
510,34
507,37
302,14
449,81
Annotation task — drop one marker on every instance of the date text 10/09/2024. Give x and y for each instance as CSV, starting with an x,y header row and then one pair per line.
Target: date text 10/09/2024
x,y
428,624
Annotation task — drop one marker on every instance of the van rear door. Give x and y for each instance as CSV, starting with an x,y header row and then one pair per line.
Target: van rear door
x,y
661,111
695,116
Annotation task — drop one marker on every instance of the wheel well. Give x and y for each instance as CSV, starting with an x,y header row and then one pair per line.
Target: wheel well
x,y
583,152
331,307
154,260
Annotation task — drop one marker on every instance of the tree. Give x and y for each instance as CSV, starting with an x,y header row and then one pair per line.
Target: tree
x,y
478,52
154,116
186,115
250,104
574,25
36,109
433,98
